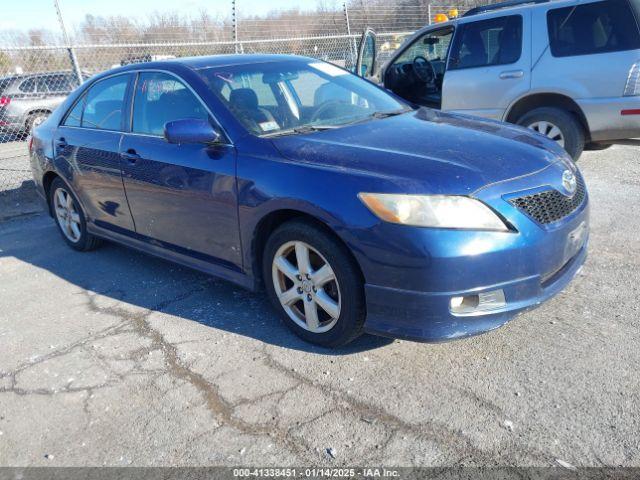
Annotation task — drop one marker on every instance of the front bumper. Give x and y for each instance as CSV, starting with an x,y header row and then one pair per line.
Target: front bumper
x,y
425,317
409,288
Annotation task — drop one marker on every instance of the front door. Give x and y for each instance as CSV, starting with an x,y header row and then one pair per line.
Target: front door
x,y
87,147
366,61
489,66
418,72
182,197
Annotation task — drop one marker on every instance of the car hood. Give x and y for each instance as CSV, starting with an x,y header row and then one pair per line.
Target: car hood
x,y
427,151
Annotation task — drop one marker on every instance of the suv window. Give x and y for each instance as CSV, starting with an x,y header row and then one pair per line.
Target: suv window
x,y
28,85
104,104
497,41
599,27
161,98
59,83
433,46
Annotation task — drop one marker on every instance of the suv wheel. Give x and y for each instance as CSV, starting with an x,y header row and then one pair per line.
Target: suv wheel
x,y
70,218
314,284
35,120
558,125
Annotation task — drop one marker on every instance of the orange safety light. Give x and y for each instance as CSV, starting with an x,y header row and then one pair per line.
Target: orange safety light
x,y
440,17
453,13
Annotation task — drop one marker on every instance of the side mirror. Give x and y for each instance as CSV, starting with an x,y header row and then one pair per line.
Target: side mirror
x,y
190,130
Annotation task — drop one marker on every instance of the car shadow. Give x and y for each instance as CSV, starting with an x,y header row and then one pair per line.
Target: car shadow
x,y
154,284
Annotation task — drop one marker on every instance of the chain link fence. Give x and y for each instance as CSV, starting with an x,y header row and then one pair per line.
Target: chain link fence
x,y
39,69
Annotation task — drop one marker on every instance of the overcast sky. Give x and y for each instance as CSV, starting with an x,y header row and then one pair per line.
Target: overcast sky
x,y
26,14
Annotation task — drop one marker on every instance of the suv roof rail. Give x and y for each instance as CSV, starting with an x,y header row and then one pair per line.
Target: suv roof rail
x,y
501,5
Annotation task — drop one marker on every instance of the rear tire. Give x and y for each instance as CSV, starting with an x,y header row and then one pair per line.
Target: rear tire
x,y
69,217
338,303
559,125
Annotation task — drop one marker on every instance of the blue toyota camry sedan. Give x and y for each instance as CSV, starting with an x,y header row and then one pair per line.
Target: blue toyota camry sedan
x,y
356,212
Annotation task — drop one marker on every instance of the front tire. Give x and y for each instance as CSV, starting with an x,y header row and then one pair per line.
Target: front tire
x,y
314,283
558,125
70,218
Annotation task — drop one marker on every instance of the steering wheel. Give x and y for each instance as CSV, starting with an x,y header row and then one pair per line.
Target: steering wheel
x,y
424,70
325,108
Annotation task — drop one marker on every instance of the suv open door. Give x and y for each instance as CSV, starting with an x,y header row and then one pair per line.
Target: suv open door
x,y
365,65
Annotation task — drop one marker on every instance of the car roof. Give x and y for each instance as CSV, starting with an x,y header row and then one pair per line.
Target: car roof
x,y
519,7
21,76
211,61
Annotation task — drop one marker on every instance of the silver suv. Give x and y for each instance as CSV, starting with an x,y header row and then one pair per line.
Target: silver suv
x,y
569,69
27,100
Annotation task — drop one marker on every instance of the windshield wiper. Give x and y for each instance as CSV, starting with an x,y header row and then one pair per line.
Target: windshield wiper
x,y
301,130
391,113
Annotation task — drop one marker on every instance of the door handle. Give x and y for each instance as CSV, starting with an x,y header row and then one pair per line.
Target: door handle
x,y
130,155
512,74
61,143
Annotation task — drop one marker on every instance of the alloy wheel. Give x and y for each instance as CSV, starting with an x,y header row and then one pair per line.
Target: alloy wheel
x,y
67,215
306,287
549,130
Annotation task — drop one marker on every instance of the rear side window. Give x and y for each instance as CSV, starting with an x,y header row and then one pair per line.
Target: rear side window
x,y
74,117
497,41
104,104
161,98
592,28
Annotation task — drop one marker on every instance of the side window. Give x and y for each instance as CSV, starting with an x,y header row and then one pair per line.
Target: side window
x,y
497,41
74,117
58,83
104,104
432,45
42,85
599,27
161,98
28,85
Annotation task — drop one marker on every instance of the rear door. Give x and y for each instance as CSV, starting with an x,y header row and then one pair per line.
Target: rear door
x,y
87,152
591,49
182,197
489,65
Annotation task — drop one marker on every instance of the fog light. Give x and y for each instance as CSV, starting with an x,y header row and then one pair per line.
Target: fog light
x,y
481,302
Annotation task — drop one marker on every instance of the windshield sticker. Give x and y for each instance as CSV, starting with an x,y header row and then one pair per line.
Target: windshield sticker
x,y
269,126
329,69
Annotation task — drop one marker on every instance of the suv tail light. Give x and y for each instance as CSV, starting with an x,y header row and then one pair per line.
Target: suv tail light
x,y
632,88
4,101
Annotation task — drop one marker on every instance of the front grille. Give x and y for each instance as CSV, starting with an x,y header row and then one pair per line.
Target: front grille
x,y
551,205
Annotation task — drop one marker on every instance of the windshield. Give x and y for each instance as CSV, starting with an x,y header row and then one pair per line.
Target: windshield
x,y
296,96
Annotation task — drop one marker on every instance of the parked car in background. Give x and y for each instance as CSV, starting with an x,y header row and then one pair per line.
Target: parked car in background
x,y
26,100
569,69
355,211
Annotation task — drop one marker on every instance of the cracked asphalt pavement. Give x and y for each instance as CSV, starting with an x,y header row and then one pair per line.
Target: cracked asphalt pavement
x,y
116,358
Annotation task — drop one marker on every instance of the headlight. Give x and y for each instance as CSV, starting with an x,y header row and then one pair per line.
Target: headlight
x,y
441,211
